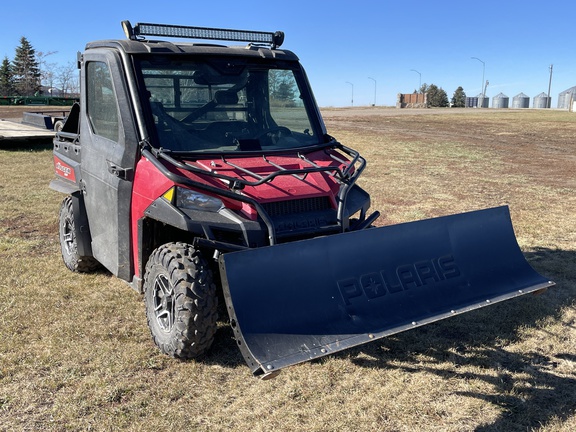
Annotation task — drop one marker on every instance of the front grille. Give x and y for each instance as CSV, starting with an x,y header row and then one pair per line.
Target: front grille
x,y
305,205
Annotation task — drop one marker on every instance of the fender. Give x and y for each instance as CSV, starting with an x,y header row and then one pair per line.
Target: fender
x,y
82,229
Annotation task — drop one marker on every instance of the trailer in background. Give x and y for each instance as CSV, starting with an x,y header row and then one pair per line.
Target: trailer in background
x,y
53,120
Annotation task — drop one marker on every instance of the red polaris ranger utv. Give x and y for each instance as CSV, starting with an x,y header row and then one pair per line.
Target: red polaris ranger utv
x,y
193,168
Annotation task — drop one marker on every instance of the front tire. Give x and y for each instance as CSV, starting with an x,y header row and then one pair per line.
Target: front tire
x,y
69,242
181,301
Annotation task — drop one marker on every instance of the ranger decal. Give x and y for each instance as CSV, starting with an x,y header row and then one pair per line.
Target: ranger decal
x,y
64,170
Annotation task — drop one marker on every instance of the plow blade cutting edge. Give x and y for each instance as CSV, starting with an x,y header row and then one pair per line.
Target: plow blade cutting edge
x,y
298,301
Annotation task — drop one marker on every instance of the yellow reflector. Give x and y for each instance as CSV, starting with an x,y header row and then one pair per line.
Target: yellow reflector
x,y
169,194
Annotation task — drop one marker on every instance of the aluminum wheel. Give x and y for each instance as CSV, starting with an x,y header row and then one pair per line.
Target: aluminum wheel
x,y
164,304
181,301
68,240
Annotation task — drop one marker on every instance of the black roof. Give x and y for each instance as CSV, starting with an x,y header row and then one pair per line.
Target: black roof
x,y
169,48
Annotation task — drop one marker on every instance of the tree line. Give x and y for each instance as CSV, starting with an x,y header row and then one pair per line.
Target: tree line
x,y
437,96
31,74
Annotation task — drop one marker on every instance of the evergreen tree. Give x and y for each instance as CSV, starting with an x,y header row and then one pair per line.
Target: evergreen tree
x,y
283,87
459,98
6,78
437,97
285,93
26,70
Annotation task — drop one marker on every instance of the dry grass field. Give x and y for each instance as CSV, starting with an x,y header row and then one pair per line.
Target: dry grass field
x,y
76,354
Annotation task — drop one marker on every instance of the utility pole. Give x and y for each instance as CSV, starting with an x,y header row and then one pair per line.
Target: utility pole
x,y
550,85
481,103
374,89
352,100
419,74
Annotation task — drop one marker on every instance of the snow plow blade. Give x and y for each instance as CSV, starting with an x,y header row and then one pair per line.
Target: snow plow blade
x,y
298,301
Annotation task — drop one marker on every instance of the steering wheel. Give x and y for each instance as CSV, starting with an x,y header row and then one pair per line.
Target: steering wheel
x,y
275,133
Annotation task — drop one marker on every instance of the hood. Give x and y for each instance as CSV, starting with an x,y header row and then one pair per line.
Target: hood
x,y
284,186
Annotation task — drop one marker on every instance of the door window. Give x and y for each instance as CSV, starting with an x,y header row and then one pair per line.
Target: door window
x,y
101,101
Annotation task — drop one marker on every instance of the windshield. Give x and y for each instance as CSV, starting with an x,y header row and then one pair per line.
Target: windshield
x,y
227,105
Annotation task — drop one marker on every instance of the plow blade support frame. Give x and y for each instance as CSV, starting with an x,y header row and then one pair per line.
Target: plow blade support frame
x,y
298,301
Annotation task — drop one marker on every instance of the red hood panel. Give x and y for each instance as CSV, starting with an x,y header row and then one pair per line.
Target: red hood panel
x,y
283,187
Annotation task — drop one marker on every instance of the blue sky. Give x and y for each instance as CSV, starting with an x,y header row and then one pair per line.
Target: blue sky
x,y
342,42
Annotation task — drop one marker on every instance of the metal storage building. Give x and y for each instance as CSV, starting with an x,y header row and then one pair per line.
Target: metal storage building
x,y
566,97
500,101
521,101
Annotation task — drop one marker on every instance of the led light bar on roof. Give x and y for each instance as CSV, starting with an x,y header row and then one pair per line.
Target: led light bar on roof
x,y
148,29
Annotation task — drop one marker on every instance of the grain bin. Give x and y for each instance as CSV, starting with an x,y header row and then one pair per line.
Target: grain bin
x,y
500,101
520,101
566,97
482,101
471,102
541,101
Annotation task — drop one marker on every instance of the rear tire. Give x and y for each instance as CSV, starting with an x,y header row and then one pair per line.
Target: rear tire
x,y
69,243
181,301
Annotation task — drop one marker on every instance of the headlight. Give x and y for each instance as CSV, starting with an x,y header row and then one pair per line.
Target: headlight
x,y
189,199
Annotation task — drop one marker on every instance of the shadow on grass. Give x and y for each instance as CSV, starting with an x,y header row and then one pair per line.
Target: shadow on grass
x,y
526,387
27,145
224,351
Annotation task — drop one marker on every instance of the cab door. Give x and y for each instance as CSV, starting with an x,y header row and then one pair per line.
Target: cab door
x,y
109,148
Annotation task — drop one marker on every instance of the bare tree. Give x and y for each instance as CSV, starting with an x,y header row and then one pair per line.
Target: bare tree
x,y
67,79
47,70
